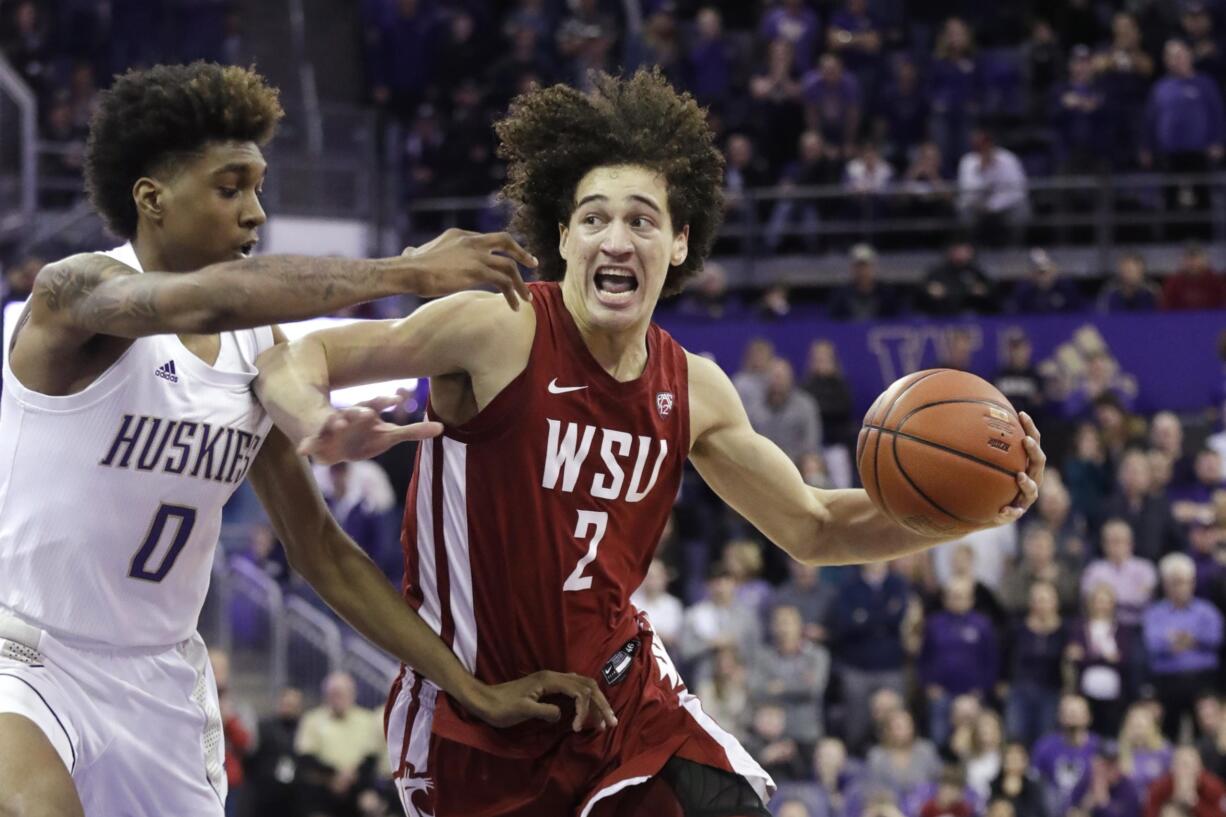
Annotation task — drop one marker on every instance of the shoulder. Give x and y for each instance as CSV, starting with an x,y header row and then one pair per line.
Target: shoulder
x,y
59,285
714,401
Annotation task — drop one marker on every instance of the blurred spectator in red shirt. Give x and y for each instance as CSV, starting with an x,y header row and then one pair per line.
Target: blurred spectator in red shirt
x,y
1195,285
1189,786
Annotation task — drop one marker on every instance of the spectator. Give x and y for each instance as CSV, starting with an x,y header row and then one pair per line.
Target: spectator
x,y
1100,378
710,58
792,807
926,191
866,636
1063,758
786,415
525,60
1016,786
775,303
1189,786
708,296
1101,654
744,171
405,56
833,103
864,297
987,754
725,692
901,762
818,165
272,768
776,103
794,22
901,122
792,673
1193,501
992,193
814,598
1198,28
956,285
960,560
1212,745
950,797
1018,379
1035,657
867,180
1038,563
1046,291
663,608
1195,285
964,715
1166,436
769,744
360,496
1132,580
238,724
1204,543
1130,291
959,655
840,780
1155,532
1183,125
1144,753
826,384
344,745
585,40
1055,512
717,622
1089,477
462,52
854,35
744,560
953,88
1105,791
1079,116
750,380
1182,637
1124,69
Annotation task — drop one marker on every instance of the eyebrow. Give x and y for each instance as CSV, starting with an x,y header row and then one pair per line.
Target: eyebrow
x,y
634,196
241,168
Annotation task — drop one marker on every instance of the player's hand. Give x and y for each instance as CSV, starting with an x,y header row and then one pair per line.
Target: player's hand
x,y
518,701
461,259
1028,481
360,432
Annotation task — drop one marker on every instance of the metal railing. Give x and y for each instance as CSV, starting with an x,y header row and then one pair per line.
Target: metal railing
x,y
17,211
314,647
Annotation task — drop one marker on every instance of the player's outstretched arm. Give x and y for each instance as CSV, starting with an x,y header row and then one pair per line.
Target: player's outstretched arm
x,y
90,293
355,588
448,336
760,482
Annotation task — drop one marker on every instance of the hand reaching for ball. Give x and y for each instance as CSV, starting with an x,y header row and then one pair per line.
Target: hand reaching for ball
x,y
1028,481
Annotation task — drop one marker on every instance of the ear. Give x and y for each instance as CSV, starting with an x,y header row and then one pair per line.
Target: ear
x,y
563,234
681,246
149,196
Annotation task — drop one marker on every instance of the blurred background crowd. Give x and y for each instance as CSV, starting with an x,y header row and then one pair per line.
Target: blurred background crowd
x,y
1069,664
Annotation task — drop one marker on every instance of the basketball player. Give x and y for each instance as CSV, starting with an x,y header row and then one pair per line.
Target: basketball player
x,y
127,420
536,513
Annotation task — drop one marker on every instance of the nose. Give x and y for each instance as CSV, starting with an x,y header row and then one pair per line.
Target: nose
x,y
617,239
252,215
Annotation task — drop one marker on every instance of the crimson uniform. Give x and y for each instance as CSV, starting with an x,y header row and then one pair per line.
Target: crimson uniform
x,y
526,530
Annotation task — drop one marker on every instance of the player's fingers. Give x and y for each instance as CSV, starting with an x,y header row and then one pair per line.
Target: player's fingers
x,y
1028,487
503,275
1010,513
506,244
1038,459
1029,427
583,700
545,712
601,707
416,431
381,404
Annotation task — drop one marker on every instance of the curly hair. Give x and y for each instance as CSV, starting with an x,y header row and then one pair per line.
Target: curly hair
x,y
552,137
152,117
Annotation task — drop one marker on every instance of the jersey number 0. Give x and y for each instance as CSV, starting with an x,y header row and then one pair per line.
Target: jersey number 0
x,y
140,562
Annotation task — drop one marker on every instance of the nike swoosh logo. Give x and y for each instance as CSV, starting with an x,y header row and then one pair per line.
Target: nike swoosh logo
x,y
554,388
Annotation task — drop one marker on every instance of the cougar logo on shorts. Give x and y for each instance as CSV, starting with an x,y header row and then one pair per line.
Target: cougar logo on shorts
x,y
664,402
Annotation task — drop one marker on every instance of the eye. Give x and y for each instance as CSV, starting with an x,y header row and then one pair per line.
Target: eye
x,y
591,220
641,222
228,192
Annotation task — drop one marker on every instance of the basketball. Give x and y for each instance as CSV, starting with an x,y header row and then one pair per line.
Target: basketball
x,y
940,450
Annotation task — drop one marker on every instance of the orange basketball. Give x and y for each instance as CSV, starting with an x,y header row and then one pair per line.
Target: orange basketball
x,y
940,450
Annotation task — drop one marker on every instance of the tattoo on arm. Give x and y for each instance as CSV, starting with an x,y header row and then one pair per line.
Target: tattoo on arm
x,y
69,287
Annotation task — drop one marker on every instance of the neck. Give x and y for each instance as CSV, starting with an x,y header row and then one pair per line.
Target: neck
x,y
621,353
153,256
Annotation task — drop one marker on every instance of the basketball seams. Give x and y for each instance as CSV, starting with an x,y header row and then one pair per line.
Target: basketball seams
x,y
877,443
945,448
923,494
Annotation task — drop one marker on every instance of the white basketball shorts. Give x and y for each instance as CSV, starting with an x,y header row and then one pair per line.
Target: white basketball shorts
x,y
140,732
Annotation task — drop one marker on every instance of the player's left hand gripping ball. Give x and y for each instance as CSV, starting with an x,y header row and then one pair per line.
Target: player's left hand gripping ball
x,y
1030,480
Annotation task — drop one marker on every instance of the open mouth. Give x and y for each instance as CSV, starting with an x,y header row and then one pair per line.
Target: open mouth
x,y
615,281
245,250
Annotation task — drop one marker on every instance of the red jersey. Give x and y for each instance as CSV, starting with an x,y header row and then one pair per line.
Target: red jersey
x,y
527,528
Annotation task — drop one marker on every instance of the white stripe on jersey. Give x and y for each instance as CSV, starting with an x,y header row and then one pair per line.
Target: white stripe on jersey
x,y
455,532
427,573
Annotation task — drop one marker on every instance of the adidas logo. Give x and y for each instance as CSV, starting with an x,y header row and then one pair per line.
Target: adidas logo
x,y
167,372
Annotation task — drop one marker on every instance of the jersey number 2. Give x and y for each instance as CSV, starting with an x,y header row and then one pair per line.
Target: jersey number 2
x,y
598,520
140,562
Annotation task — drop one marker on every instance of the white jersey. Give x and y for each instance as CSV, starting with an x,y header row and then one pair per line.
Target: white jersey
x,y
111,498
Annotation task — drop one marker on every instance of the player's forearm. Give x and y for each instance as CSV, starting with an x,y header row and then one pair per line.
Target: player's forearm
x,y
852,530
352,585
294,387
96,294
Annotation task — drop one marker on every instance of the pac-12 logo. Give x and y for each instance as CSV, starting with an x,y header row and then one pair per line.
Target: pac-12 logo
x,y
664,403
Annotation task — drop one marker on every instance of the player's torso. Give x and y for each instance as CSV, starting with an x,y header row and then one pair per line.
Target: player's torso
x,y
528,527
111,498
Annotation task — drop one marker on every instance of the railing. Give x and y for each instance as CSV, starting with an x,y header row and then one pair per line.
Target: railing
x,y
18,166
1097,211
371,668
259,630
314,646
